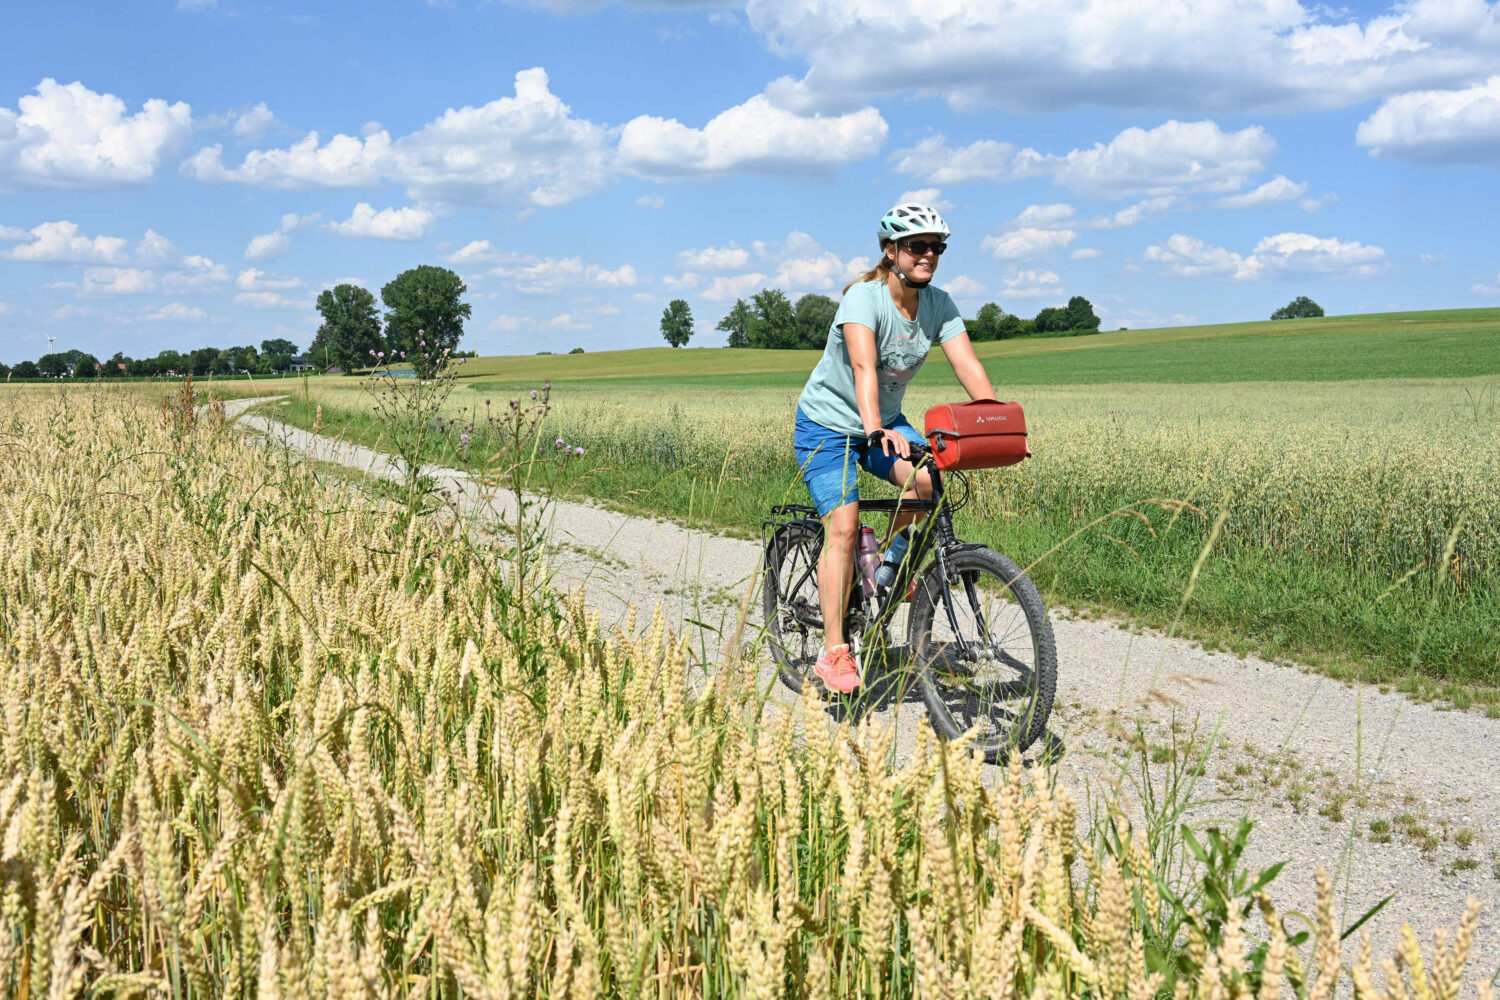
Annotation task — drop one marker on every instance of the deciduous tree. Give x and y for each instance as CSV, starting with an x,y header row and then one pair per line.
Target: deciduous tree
x,y
677,322
773,322
737,324
1079,314
350,330
1050,320
425,304
814,318
1301,307
987,322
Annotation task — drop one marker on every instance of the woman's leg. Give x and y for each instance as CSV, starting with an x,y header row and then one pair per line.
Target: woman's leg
x,y
912,488
836,570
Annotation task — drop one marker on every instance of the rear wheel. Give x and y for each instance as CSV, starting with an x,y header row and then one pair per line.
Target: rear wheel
x,y
993,663
789,599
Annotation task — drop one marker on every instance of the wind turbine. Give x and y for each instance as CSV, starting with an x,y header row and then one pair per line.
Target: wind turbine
x,y
50,340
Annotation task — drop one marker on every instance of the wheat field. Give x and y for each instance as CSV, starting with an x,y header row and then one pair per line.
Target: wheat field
x,y
263,738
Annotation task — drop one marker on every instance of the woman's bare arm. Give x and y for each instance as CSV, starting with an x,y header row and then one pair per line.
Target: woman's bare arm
x,y
971,374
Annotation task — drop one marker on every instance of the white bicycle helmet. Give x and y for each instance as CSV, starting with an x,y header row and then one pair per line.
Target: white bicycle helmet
x,y
910,219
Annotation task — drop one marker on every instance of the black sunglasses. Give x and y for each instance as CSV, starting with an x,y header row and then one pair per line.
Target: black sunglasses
x,y
919,247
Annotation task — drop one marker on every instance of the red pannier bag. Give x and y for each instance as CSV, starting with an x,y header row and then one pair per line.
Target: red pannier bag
x,y
984,434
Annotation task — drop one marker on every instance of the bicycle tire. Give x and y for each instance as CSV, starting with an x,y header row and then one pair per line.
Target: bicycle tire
x,y
789,600
963,686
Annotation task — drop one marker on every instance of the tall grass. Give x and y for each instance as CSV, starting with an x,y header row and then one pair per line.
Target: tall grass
x,y
258,740
1341,500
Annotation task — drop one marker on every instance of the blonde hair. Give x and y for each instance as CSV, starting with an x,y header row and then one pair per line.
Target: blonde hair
x,y
879,272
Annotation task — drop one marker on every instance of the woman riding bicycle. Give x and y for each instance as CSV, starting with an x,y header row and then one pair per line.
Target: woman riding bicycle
x,y
850,411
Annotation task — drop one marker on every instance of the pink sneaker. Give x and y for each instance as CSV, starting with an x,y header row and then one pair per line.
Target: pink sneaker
x,y
838,669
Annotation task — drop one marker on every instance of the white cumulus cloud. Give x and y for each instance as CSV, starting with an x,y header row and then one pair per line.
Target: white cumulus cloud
x,y
118,281
1299,254
553,275
252,123
963,287
1281,255
1437,126
267,245
1190,257
473,252
1032,285
68,136
62,243
177,312
528,149
757,137
1277,189
725,258
1086,253
1194,56
255,280
1024,243
926,196
276,242
1170,158
403,224
654,202
567,321
1480,288
270,300
194,273
724,288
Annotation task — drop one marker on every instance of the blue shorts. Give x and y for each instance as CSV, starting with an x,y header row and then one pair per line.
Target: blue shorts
x,y
830,461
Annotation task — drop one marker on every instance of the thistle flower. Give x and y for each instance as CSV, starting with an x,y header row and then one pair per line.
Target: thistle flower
x,y
578,452
533,394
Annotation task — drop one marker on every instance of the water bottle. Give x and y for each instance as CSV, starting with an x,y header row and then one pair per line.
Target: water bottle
x,y
886,575
869,559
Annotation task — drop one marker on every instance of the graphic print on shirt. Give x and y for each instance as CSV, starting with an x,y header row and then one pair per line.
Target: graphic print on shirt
x,y
898,363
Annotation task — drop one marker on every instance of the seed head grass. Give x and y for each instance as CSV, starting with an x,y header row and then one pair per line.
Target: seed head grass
x,y
255,742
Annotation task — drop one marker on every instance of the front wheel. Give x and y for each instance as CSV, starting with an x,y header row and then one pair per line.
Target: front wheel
x,y
984,651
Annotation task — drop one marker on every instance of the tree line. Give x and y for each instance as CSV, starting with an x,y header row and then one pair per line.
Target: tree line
x,y
423,319
771,321
274,355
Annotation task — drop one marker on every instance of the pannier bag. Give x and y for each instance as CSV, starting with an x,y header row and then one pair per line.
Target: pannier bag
x,y
984,434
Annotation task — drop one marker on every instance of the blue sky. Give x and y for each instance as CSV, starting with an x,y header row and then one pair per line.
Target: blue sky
x,y
179,175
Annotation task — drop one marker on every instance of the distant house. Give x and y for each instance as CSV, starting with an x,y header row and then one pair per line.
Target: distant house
x,y
333,370
68,369
300,364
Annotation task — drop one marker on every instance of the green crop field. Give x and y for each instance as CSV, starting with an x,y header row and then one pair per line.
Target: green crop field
x,y
1355,460
1450,344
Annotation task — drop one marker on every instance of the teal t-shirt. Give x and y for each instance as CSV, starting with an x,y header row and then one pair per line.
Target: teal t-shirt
x,y
901,346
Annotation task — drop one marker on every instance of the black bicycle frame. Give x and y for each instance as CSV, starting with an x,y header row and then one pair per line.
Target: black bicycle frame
x,y
939,538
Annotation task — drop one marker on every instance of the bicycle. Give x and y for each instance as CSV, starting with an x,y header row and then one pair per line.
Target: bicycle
x,y
981,644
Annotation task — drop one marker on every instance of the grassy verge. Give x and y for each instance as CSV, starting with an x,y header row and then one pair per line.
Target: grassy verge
x,y
1429,634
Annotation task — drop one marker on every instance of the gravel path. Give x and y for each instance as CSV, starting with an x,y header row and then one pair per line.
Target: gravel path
x,y
1389,796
